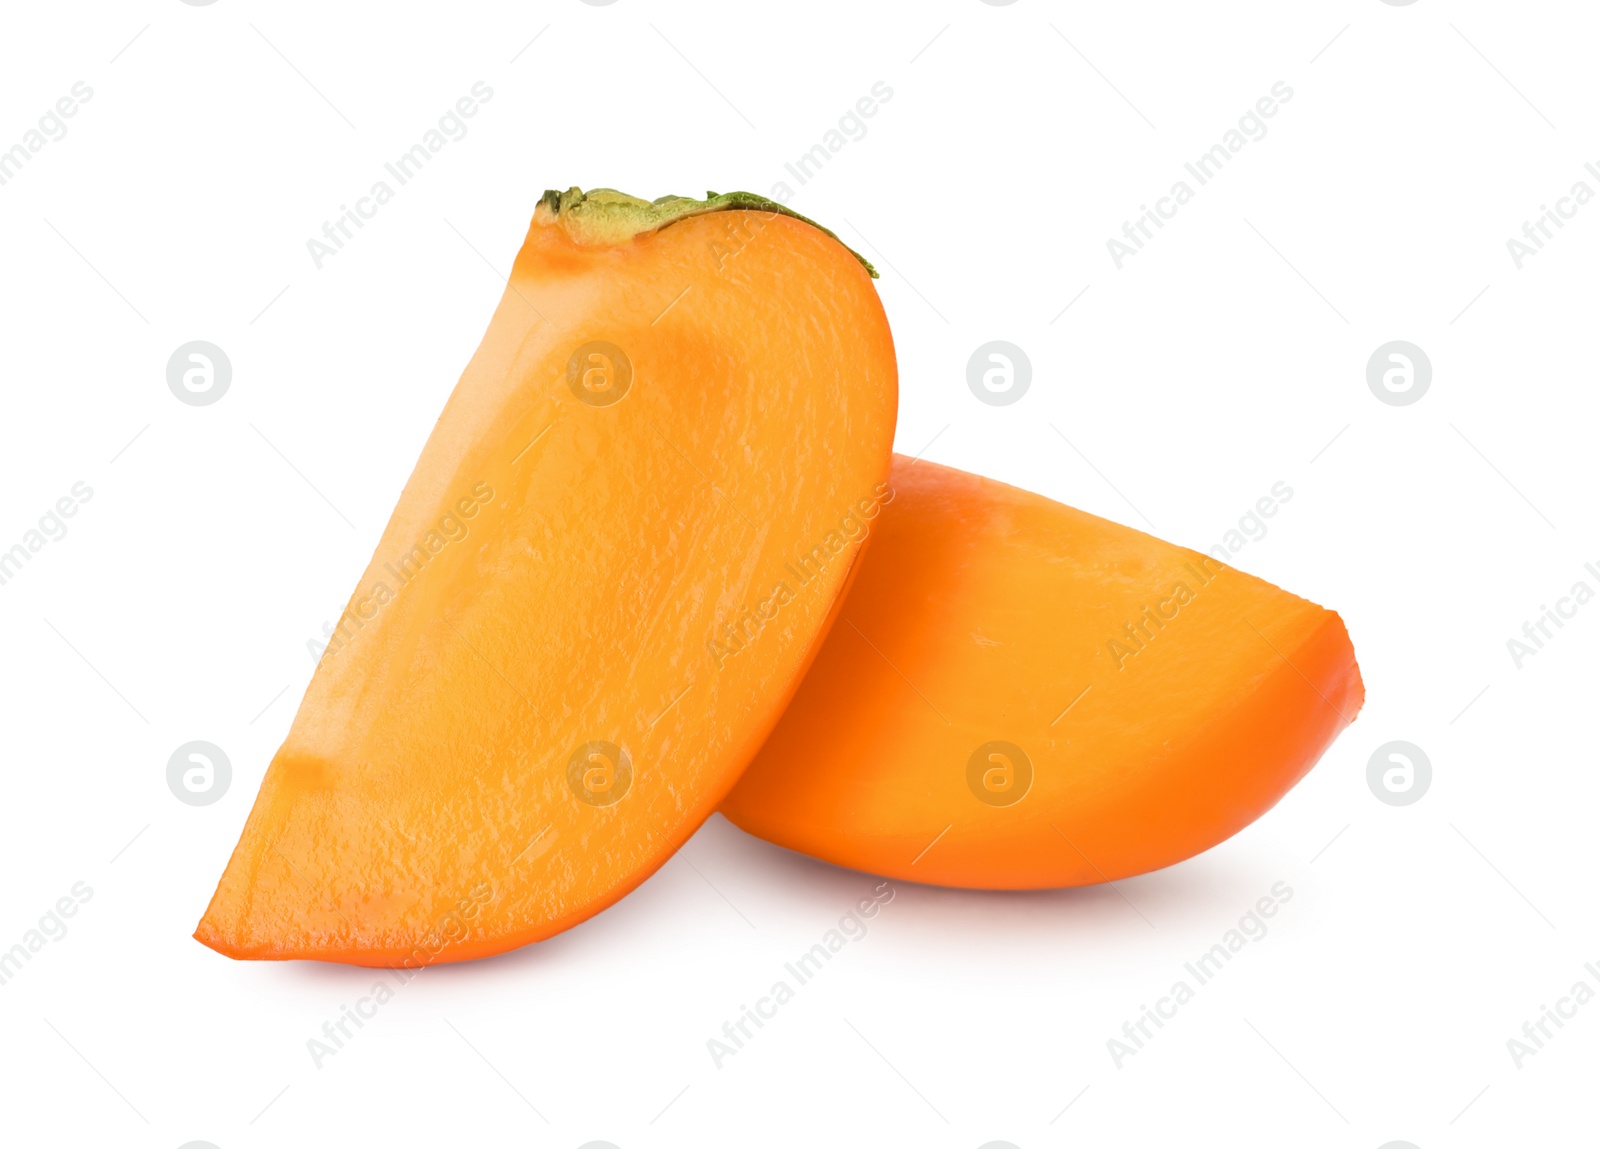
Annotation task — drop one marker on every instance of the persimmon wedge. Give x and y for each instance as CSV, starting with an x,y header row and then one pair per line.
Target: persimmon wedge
x,y
1020,695
604,579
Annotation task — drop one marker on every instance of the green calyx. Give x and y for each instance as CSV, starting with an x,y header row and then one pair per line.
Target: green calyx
x,y
606,216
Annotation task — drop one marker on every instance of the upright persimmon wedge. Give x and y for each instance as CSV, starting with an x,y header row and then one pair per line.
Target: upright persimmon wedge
x,y
1019,695
617,555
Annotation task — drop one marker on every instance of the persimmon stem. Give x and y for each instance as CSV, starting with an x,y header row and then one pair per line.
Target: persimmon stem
x,y
607,216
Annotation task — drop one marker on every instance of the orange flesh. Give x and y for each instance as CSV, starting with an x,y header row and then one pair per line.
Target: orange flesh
x,y
577,562
983,614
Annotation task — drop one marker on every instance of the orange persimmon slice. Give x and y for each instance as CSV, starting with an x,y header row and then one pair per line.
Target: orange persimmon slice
x,y
581,621
1020,695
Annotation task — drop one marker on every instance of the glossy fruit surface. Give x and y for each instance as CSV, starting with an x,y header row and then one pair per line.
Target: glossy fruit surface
x,y
1019,695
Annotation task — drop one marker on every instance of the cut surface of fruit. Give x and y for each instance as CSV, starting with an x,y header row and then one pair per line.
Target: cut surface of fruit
x,y
617,554
1020,695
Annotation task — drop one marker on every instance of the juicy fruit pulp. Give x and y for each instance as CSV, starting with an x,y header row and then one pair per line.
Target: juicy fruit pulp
x,y
585,613
1020,695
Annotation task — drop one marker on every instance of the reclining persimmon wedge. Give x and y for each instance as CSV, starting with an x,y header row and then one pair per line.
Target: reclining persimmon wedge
x,y
1021,695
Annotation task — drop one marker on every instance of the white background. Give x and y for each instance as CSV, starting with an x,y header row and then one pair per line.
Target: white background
x,y
1228,355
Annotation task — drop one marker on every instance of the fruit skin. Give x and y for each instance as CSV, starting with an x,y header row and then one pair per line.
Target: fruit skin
x,y
555,574
987,614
